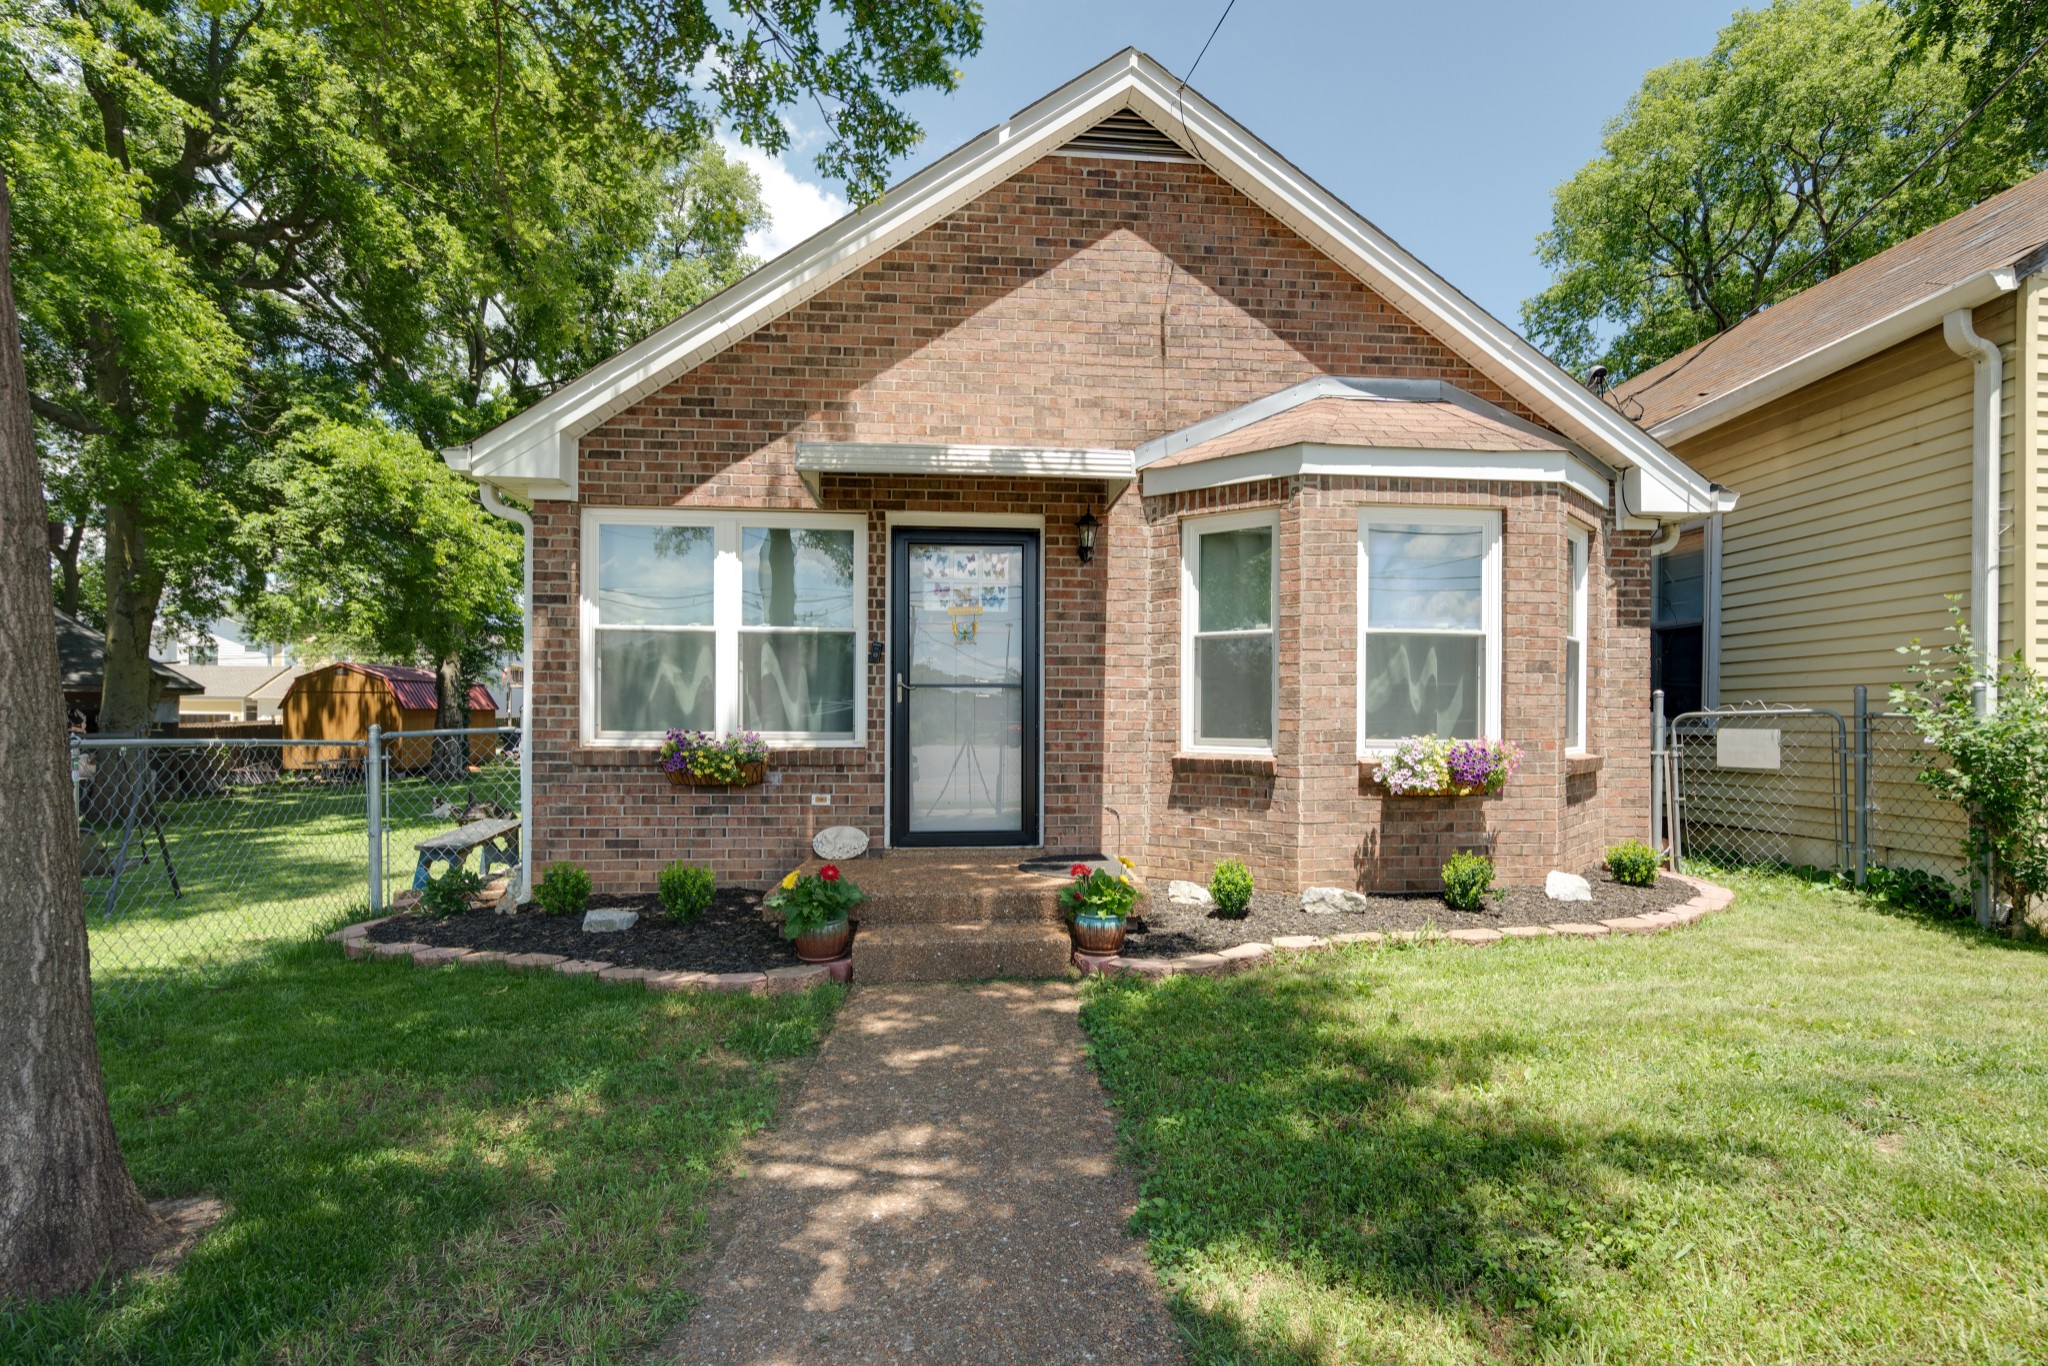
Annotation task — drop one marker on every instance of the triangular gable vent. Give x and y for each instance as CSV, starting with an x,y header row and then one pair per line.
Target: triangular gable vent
x,y
1126,133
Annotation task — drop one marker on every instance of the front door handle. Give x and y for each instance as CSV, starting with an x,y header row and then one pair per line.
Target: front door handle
x,y
900,687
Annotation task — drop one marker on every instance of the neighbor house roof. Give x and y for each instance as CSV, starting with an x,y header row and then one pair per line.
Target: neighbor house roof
x,y
82,655
233,680
280,683
413,687
534,453
1408,429
1897,294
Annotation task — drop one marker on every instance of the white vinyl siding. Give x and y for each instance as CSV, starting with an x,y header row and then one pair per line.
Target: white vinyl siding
x,y
723,622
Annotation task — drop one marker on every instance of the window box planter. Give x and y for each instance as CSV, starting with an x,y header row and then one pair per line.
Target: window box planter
x,y
750,775
1432,766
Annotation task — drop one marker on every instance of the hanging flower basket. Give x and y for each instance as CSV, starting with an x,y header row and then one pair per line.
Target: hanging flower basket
x,y
1433,766
697,758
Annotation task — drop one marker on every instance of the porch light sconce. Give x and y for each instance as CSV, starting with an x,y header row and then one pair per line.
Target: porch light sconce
x,y
1086,526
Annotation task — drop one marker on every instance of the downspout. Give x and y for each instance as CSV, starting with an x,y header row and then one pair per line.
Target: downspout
x,y
497,507
1985,486
1666,537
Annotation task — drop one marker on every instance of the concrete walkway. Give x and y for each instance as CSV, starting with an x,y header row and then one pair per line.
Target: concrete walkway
x,y
945,1189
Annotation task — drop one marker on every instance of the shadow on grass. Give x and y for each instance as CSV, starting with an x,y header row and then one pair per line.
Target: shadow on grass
x,y
1293,1136
466,1168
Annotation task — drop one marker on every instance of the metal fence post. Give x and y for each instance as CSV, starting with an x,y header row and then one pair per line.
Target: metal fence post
x,y
373,788
1862,788
1657,770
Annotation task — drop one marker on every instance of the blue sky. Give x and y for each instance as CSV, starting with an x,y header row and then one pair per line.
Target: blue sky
x,y
1447,124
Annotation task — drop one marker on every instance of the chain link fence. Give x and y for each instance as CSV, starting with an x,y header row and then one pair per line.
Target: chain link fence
x,y
1806,787
194,854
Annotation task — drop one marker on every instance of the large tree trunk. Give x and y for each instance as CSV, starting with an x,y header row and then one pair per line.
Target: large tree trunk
x,y
451,712
68,1210
135,590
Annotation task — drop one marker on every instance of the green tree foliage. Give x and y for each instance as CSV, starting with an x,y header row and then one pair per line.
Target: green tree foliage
x,y
1734,180
1997,43
1989,722
236,213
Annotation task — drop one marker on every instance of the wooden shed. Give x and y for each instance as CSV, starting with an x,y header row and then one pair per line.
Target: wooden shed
x,y
342,701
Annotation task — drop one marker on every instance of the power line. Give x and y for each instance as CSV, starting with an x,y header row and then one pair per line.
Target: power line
x,y
1205,45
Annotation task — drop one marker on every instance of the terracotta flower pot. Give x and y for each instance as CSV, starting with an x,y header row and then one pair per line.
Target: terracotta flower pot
x,y
1098,933
826,944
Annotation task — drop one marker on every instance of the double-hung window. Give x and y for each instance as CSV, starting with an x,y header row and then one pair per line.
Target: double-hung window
x,y
723,622
1228,660
1429,625
1576,547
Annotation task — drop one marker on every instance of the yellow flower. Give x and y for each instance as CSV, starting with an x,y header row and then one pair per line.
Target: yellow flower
x,y
1124,878
1125,862
789,882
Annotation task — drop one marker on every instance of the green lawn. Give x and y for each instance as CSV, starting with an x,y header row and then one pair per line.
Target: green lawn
x,y
475,1167
1807,1129
255,866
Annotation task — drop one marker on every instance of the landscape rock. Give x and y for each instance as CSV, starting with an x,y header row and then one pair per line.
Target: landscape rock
x,y
1561,886
609,920
1332,901
839,843
1189,894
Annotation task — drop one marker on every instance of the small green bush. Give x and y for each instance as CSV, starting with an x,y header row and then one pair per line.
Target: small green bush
x,y
563,890
449,893
1909,889
1634,864
1468,878
1230,886
686,890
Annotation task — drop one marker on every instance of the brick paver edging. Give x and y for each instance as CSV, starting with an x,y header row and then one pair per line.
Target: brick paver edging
x,y
1707,898
355,941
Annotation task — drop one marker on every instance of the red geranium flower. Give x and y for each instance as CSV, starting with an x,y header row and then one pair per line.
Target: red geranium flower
x,y
1079,870
830,872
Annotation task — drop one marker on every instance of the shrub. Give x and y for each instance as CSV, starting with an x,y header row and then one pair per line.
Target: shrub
x,y
1097,891
1468,878
1230,886
811,901
449,893
685,890
1922,893
1633,863
563,890
1997,759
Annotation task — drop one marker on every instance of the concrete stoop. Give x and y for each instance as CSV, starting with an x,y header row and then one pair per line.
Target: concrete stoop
x,y
930,952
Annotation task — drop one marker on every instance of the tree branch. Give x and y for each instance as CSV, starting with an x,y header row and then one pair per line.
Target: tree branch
x,y
66,418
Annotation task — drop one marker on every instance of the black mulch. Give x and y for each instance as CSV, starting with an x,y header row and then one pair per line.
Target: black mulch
x,y
730,937
1163,930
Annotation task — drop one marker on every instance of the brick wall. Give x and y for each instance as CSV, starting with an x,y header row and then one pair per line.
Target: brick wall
x,y
1083,302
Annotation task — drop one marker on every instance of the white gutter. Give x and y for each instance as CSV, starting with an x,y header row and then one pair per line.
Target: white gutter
x,y
1666,537
1889,331
1985,485
495,505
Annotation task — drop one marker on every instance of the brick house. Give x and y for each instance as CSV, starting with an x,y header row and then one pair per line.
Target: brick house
x,y
1106,487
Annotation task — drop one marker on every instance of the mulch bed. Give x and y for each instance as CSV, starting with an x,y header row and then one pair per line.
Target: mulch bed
x,y
730,937
1164,930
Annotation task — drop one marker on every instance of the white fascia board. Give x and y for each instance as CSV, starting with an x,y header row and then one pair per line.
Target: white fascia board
x,y
1865,342
1496,349
817,458
539,444
1381,462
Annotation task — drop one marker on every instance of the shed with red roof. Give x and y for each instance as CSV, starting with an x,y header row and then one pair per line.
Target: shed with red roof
x,y
342,701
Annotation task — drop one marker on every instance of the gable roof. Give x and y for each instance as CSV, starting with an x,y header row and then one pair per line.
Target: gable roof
x,y
233,680
1897,294
82,655
412,687
534,453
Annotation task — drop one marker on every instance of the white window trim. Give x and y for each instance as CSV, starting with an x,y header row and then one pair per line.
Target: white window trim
x,y
1489,520
1579,552
726,588
1192,529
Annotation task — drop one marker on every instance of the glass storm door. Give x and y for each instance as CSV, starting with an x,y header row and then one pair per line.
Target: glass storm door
x,y
963,687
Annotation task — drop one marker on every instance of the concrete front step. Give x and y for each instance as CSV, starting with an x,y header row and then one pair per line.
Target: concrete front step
x,y
935,952
938,887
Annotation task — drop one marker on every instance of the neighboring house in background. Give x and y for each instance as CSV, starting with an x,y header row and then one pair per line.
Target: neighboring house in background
x,y
1107,486
342,702
224,643
236,692
81,657
1886,430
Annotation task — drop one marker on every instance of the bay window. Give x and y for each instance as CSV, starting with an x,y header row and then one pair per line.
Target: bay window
x,y
723,622
1228,660
1429,625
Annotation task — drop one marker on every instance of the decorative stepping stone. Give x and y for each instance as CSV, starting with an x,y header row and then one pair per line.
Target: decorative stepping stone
x,y
839,843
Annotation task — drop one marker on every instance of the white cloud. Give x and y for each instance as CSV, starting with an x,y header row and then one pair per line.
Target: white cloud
x,y
796,208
